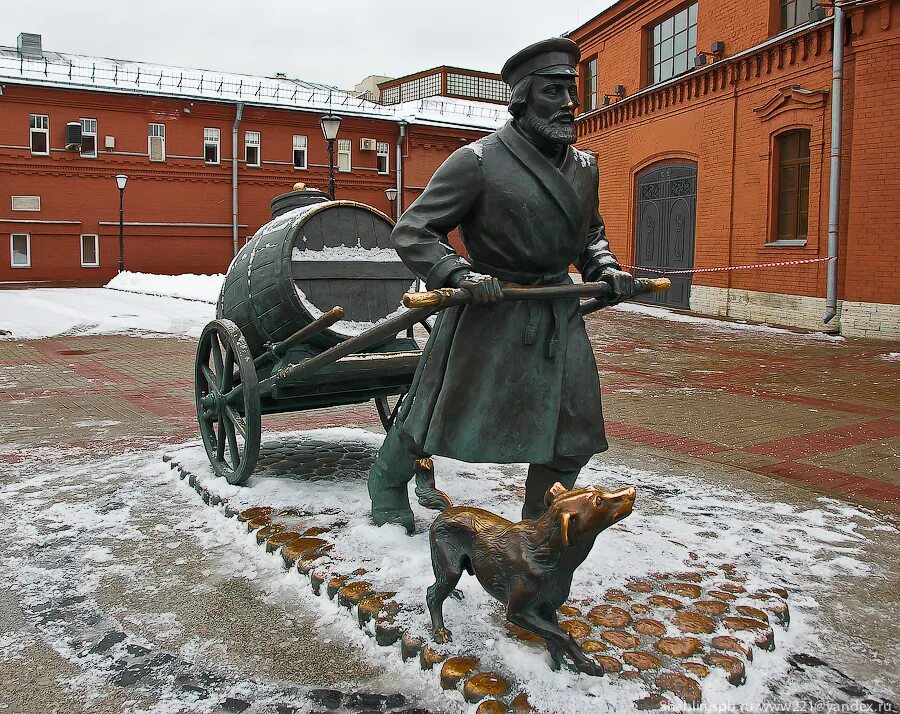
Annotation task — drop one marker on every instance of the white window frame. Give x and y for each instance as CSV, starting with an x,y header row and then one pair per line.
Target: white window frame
x,y
12,239
383,151
252,140
300,146
156,131
345,148
84,263
88,128
212,137
44,121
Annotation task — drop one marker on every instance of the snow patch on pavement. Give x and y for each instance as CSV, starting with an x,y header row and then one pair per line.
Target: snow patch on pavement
x,y
772,543
204,288
47,312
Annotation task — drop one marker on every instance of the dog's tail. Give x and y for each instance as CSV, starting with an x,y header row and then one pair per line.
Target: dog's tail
x,y
426,491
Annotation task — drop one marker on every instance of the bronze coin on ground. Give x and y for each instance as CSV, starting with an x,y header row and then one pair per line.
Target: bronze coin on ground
x,y
678,646
593,646
711,607
732,644
681,685
576,628
569,611
492,706
733,667
639,586
743,623
683,589
698,670
732,588
753,612
719,595
455,669
485,684
614,595
609,616
653,628
665,601
623,640
639,608
694,623
610,664
520,704
642,660
251,513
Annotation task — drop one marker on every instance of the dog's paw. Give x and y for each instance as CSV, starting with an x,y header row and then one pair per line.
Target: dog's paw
x,y
589,667
443,636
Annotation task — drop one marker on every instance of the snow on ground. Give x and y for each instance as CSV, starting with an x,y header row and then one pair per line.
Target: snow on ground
x,y
773,543
891,357
724,324
46,312
204,288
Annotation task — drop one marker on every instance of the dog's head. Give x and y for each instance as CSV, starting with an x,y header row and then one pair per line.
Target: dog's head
x,y
587,511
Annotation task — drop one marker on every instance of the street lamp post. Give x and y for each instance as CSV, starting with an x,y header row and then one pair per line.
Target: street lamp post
x,y
391,194
121,180
330,126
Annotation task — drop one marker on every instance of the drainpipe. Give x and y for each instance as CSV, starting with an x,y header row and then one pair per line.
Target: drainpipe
x,y
834,198
400,169
234,177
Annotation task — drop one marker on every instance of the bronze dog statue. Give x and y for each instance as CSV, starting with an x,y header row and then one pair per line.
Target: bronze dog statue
x,y
528,566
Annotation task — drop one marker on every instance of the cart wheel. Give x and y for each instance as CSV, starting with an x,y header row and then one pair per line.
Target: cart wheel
x,y
388,408
227,394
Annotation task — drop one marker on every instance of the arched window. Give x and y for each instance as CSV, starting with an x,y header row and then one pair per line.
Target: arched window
x,y
792,149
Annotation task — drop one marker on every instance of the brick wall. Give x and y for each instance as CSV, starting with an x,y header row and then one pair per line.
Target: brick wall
x,y
726,116
79,195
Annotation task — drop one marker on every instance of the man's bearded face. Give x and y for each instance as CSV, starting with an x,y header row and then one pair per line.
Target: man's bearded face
x,y
550,111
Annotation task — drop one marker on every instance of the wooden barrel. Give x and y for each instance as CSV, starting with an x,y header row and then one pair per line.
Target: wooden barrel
x,y
306,261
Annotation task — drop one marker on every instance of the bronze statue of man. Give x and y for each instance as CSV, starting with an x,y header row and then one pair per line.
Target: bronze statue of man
x,y
507,382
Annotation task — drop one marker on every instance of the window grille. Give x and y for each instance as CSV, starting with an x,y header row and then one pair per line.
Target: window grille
x,y
39,134
463,85
383,158
391,95
344,148
589,85
793,185
90,251
673,45
20,250
428,86
251,148
300,144
211,145
795,12
156,142
89,138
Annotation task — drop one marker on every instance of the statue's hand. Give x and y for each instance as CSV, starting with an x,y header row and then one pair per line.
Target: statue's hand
x,y
622,284
482,288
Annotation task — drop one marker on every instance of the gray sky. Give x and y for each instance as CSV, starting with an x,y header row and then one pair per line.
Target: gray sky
x,y
332,41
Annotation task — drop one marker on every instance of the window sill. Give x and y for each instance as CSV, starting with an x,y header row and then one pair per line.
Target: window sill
x,y
90,265
799,243
18,267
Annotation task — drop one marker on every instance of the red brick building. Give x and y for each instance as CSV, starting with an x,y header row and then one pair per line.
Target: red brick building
x,y
726,162
171,131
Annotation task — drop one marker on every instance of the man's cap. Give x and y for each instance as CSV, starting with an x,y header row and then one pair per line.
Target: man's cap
x,y
555,57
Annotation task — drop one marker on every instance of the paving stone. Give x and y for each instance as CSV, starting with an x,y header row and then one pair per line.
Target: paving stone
x,y
456,669
609,663
678,646
683,686
622,640
642,660
576,628
694,623
609,616
734,668
665,601
484,684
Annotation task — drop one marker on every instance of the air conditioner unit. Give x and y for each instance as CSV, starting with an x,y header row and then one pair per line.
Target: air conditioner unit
x,y
367,144
73,136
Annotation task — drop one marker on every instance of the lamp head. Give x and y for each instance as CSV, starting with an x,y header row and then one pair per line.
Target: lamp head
x,y
330,126
121,180
391,194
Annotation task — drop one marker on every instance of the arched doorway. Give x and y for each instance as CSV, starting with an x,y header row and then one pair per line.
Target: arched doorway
x,y
666,222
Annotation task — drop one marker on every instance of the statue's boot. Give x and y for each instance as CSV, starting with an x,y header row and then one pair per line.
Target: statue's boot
x,y
541,477
389,480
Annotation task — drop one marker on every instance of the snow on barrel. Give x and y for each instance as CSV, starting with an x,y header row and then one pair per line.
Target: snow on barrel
x,y
308,260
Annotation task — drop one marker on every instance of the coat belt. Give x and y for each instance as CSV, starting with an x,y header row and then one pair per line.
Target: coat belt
x,y
558,308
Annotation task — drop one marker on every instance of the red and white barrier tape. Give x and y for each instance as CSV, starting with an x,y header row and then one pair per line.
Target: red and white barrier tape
x,y
731,267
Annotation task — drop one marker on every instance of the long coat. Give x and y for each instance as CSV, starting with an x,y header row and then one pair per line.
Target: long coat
x,y
511,381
